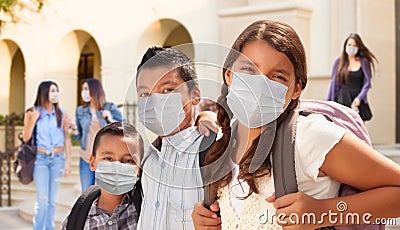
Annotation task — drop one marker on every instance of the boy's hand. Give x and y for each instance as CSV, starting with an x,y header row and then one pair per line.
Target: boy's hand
x,y
204,218
207,121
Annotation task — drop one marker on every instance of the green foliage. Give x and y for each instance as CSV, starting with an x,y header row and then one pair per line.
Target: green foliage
x,y
10,9
7,6
19,120
74,142
2,120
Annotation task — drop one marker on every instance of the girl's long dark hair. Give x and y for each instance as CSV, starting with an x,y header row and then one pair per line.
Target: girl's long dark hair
x,y
342,75
42,98
284,39
96,92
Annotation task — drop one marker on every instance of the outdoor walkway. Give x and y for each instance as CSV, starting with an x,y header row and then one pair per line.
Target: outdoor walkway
x,y
9,219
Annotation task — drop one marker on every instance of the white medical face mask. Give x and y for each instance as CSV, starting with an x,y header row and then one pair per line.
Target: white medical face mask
x,y
161,113
255,99
115,178
53,97
351,50
86,95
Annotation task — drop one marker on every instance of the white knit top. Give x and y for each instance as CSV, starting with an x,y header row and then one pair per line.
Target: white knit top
x,y
315,137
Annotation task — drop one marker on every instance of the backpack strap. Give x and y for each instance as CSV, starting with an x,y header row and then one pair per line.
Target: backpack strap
x,y
204,147
283,164
137,194
80,210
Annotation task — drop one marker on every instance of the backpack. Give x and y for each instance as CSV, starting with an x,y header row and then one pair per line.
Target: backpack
x,y
283,153
80,210
24,163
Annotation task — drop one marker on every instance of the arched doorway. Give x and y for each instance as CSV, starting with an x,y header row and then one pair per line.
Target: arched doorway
x,y
12,74
88,66
165,33
77,57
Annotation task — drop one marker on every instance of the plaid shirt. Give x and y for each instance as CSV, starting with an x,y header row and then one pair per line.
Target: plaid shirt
x,y
124,217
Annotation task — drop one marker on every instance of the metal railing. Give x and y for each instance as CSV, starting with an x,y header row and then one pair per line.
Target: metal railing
x,y
7,157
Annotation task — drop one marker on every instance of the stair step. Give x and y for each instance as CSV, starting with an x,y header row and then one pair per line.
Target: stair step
x,y
10,219
69,181
24,196
26,211
15,199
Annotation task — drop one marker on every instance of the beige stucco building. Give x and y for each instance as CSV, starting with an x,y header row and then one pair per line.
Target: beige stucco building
x,y
71,40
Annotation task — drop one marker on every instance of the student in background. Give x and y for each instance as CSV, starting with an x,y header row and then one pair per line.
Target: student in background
x,y
53,147
90,118
351,76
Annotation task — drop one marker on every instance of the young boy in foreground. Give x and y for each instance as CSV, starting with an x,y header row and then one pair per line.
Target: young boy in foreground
x,y
116,149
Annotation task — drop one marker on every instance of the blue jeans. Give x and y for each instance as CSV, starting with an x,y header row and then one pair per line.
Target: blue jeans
x,y
47,175
87,176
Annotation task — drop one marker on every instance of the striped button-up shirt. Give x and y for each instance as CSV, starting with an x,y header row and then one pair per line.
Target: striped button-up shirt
x,y
172,182
124,217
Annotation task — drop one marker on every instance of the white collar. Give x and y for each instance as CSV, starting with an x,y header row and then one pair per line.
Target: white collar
x,y
183,140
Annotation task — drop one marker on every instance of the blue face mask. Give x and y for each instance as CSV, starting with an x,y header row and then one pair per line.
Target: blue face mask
x,y
351,50
255,99
115,178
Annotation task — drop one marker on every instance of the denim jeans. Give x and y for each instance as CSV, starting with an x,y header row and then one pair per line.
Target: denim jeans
x,y
47,175
87,176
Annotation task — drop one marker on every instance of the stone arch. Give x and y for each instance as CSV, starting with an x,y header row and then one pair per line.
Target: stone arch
x,y
165,32
76,57
12,76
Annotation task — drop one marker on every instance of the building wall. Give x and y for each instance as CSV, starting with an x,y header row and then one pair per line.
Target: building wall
x,y
52,41
49,41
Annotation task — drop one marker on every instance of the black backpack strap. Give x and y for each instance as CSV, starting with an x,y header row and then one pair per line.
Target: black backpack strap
x,y
80,210
203,150
283,164
107,106
204,147
137,194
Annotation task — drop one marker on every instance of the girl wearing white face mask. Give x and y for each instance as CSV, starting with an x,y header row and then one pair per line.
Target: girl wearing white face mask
x,y
264,74
351,76
47,126
90,118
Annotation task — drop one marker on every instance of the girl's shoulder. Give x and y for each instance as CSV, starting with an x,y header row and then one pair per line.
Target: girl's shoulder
x,y
82,109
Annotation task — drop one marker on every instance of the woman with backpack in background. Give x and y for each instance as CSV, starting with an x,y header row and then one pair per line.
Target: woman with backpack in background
x,y
265,73
90,118
49,123
351,76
